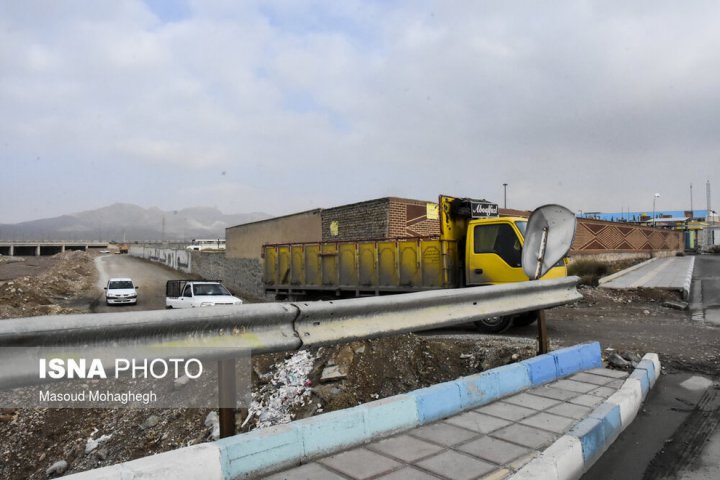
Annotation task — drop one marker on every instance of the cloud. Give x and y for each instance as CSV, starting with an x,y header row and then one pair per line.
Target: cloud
x,y
595,105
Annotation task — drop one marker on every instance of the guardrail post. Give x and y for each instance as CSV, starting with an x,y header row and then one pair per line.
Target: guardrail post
x,y
227,396
543,340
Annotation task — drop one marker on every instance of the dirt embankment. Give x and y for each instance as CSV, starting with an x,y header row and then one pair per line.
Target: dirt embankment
x,y
61,284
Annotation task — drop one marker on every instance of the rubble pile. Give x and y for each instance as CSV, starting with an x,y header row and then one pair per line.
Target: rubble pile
x,y
67,287
282,392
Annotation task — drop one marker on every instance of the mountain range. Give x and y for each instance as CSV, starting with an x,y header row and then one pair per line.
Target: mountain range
x,y
128,222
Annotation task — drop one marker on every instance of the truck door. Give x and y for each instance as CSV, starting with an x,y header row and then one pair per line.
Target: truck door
x,y
493,253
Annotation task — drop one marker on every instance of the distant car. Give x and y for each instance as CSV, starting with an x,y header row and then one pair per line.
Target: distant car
x,y
120,291
104,251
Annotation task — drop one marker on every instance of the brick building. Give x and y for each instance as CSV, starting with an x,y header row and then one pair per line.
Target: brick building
x,y
388,217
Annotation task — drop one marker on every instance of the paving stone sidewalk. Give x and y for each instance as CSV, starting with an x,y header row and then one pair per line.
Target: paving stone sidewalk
x,y
489,442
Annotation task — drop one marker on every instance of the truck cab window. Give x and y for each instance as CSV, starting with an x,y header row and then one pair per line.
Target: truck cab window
x,y
187,292
498,239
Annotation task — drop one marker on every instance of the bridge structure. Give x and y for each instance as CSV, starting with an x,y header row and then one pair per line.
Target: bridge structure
x,y
41,248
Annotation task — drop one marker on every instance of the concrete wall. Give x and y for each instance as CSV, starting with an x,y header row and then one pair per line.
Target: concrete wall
x,y
617,256
243,276
246,241
175,258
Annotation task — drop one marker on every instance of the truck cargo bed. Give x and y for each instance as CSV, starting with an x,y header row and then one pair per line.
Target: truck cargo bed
x,y
362,267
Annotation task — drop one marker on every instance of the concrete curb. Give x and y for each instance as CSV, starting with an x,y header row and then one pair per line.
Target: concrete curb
x,y
623,272
575,452
264,451
688,279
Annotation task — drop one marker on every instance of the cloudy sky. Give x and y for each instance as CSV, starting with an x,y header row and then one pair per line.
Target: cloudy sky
x,y
282,106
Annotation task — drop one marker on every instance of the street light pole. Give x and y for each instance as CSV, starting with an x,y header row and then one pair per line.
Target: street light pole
x,y
657,195
505,195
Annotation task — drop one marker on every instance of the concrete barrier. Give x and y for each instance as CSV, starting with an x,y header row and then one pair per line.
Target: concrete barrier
x,y
619,274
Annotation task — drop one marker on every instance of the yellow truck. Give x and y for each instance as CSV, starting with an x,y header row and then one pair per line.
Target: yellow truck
x,y
475,247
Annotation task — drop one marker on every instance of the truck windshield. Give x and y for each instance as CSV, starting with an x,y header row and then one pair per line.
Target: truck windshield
x,y
210,289
499,239
521,226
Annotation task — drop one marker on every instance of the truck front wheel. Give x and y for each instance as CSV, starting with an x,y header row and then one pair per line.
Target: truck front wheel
x,y
493,324
525,319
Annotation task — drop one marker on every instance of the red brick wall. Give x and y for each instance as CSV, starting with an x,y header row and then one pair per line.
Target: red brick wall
x,y
408,218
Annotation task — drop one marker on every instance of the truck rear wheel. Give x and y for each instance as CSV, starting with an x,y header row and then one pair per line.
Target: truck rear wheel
x,y
493,324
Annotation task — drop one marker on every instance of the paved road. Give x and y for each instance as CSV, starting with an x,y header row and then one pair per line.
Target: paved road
x,y
700,460
676,436
150,277
705,294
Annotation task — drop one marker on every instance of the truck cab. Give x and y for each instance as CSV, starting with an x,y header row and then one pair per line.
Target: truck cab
x,y
493,253
490,245
195,293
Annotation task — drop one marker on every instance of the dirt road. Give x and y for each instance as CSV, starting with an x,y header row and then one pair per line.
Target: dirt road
x,y
150,277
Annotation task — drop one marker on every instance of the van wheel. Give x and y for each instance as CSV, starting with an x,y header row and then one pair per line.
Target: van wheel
x,y
525,319
493,324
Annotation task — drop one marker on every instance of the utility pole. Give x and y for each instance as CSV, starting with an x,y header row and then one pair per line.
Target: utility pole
x,y
657,195
505,195
709,220
691,203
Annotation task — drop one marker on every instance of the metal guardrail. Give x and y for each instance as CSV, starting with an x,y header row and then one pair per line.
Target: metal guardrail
x,y
273,327
269,327
321,323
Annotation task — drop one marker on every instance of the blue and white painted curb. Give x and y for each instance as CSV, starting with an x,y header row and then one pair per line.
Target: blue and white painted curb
x,y
264,451
575,452
688,279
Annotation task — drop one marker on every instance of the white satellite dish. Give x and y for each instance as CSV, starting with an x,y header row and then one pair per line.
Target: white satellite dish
x,y
549,234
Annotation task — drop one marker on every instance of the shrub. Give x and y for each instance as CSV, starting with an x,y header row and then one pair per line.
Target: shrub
x,y
589,271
